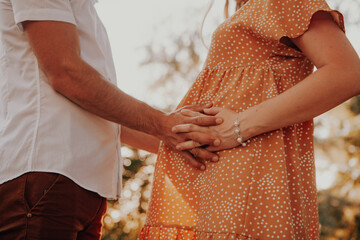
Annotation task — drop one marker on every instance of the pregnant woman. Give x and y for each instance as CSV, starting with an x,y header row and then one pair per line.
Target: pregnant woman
x,y
259,76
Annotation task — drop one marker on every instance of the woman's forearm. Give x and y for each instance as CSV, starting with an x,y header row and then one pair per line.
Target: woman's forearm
x,y
319,92
336,80
139,140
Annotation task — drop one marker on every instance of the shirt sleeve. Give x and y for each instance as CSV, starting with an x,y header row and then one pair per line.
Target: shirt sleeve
x,y
42,10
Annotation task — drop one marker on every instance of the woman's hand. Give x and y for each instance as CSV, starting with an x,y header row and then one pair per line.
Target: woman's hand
x,y
225,131
195,157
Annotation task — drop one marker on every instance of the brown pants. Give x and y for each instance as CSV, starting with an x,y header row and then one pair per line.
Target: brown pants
x,y
47,206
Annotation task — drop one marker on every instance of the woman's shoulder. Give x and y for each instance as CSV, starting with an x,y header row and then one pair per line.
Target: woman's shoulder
x,y
275,19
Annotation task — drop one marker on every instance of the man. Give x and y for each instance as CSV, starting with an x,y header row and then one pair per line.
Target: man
x,y
59,121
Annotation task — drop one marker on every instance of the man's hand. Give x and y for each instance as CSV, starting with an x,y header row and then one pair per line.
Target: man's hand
x,y
225,131
195,158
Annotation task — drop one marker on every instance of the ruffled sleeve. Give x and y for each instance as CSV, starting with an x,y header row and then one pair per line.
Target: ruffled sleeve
x,y
289,18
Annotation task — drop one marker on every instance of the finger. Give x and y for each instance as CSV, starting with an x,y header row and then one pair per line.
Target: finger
x,y
206,155
190,113
205,120
212,111
188,145
192,161
212,148
198,107
185,128
197,134
203,138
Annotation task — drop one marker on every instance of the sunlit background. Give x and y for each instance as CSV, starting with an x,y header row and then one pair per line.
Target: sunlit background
x,y
157,52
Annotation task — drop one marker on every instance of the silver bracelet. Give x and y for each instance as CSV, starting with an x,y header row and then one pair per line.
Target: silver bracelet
x,y
237,131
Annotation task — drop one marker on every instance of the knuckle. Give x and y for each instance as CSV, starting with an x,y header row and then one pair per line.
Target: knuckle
x,y
212,119
196,120
205,154
179,146
207,120
208,141
196,151
187,157
187,120
202,139
208,155
190,127
195,145
193,136
202,152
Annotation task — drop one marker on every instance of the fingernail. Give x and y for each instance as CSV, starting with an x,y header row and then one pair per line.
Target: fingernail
x,y
202,167
216,142
173,129
219,120
215,159
178,148
208,104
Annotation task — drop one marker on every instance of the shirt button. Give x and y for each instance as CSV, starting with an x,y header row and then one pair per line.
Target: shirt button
x,y
29,215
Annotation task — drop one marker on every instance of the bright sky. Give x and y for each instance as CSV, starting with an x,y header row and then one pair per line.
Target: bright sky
x,y
131,25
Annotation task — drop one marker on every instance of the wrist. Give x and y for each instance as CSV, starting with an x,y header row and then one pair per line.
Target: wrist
x,y
158,122
249,124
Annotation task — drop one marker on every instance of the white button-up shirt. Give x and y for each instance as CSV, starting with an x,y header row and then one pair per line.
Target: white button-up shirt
x,y
41,130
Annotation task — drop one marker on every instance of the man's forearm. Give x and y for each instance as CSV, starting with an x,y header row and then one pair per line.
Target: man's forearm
x,y
139,140
84,86
56,46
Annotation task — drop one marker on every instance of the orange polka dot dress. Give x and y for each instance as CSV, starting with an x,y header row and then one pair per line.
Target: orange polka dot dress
x,y
267,189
